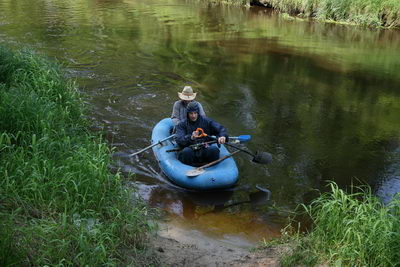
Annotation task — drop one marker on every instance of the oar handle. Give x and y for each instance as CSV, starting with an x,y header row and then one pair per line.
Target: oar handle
x,y
174,150
237,139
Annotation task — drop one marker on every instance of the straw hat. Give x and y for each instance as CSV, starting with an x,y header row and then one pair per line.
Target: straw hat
x,y
187,93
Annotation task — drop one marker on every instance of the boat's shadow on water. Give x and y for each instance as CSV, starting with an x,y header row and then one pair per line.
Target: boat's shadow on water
x,y
156,189
222,199
186,203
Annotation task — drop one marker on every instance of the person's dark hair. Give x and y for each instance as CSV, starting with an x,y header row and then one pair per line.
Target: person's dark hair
x,y
193,107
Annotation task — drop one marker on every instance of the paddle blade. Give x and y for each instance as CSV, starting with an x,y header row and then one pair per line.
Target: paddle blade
x,y
244,138
259,198
262,158
240,138
195,172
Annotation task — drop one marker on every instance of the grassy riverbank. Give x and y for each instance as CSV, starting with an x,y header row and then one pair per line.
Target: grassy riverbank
x,y
349,230
385,13
374,13
59,204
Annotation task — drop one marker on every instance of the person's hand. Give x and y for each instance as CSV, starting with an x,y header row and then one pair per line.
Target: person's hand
x,y
195,134
221,140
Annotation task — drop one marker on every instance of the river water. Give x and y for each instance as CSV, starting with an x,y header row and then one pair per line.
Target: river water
x,y
323,98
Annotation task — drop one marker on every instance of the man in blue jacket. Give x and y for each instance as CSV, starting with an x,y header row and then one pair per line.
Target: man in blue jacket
x,y
198,129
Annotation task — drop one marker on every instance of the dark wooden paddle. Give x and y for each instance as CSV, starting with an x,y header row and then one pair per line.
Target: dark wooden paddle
x,y
200,170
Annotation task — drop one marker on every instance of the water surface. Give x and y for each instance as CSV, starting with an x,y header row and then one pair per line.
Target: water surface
x,y
322,98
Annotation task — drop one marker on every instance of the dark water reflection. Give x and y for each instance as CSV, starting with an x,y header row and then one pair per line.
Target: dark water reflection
x,y
322,98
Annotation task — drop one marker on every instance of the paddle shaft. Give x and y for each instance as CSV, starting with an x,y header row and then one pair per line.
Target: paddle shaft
x,y
241,149
218,160
194,146
146,148
240,138
259,157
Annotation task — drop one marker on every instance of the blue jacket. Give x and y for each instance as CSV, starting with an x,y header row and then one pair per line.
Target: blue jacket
x,y
179,111
185,129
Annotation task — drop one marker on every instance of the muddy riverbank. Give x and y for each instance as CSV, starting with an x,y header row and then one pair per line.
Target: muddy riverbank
x,y
177,246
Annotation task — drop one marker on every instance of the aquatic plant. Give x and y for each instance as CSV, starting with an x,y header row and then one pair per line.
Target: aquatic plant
x,y
353,229
59,203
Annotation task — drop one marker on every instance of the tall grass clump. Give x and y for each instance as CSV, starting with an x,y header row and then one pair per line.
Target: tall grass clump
x,y
375,13
59,203
349,230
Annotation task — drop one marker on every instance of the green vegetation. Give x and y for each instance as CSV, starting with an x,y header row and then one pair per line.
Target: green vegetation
x,y
232,2
59,204
376,13
349,230
385,13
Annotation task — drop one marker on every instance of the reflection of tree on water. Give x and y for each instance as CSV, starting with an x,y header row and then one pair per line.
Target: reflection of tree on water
x,y
389,185
227,213
190,204
260,197
186,204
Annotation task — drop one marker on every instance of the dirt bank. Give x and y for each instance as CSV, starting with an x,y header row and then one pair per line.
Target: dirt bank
x,y
177,246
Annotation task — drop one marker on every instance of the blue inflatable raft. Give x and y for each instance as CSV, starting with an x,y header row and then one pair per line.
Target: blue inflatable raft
x,y
222,175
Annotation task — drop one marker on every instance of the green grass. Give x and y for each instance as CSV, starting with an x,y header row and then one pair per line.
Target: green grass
x,y
353,229
59,203
230,2
374,13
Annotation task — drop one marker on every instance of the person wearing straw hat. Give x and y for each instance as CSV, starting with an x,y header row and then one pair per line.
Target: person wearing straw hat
x,y
179,111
